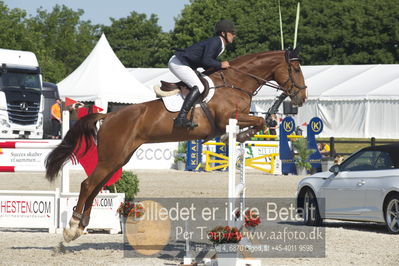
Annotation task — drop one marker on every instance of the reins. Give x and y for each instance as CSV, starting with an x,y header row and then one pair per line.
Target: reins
x,y
225,84
265,82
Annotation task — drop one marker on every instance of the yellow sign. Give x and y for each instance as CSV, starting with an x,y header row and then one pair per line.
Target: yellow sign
x,y
288,125
316,126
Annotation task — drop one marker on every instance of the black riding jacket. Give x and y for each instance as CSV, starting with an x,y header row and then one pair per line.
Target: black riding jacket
x,y
202,54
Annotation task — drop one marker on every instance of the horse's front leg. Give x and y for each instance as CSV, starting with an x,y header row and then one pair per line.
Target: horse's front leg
x,y
254,123
246,120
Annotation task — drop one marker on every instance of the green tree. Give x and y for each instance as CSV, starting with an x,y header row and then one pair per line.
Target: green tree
x,y
330,31
13,32
59,39
62,40
350,31
138,41
256,21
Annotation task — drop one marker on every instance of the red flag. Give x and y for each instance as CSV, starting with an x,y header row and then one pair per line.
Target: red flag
x,y
69,101
97,109
89,159
82,112
114,178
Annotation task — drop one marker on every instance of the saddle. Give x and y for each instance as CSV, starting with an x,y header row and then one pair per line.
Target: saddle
x,y
184,89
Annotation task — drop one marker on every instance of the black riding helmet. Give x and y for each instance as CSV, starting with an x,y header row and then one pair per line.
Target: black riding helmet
x,y
224,25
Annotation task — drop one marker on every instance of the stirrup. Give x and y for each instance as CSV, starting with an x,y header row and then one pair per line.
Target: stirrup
x,y
184,123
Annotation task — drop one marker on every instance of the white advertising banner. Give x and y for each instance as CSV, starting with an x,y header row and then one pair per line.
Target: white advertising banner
x,y
103,213
26,153
153,156
23,157
24,209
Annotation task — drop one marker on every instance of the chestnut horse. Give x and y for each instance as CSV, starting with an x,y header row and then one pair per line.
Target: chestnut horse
x,y
122,132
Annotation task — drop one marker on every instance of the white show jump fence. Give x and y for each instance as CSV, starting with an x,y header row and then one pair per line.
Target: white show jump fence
x,y
236,194
236,190
47,209
24,156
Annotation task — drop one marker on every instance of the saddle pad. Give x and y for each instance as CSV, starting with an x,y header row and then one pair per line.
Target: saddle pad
x,y
174,103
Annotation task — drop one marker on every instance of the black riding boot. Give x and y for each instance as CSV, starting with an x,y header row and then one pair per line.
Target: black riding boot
x,y
181,119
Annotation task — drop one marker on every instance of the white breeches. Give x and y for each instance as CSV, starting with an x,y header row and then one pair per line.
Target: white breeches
x,y
185,73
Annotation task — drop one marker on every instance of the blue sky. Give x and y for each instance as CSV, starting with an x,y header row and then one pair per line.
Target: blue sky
x,y
99,11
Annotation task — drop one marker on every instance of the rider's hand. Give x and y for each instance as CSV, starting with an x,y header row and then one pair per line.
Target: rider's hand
x,y
225,64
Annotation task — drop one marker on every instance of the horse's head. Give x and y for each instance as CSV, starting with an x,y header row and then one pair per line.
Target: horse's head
x,y
289,76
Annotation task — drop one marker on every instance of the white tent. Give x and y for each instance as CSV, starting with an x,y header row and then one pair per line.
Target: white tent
x,y
102,78
357,101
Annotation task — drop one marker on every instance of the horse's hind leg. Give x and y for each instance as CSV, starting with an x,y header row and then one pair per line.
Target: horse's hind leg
x,y
91,184
89,190
94,193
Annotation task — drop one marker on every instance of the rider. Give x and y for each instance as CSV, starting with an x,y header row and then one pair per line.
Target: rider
x,y
202,54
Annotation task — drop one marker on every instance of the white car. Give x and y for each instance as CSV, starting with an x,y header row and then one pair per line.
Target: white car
x,y
365,187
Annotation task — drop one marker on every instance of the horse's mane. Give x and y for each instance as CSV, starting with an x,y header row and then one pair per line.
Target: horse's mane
x,y
248,57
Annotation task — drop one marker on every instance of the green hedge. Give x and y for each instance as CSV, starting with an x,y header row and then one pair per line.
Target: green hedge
x,y
128,184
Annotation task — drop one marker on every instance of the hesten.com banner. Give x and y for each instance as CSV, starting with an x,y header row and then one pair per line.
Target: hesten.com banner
x,y
27,210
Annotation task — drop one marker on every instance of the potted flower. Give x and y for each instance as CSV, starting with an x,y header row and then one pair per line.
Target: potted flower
x,y
224,234
301,156
225,239
135,210
251,218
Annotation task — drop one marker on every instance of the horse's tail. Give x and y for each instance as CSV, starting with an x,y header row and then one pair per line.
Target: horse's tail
x,y
85,127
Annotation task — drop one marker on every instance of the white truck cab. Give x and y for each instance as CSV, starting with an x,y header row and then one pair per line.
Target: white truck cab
x,y
21,100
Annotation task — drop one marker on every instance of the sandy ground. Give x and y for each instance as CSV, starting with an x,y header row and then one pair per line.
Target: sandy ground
x,y
347,243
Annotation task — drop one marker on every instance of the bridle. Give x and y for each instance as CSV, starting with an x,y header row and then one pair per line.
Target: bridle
x,y
290,78
264,82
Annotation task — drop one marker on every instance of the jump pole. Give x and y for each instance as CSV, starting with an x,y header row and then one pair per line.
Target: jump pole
x,y
65,168
235,190
45,144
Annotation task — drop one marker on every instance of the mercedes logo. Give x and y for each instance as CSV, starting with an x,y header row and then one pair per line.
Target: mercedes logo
x,y
24,106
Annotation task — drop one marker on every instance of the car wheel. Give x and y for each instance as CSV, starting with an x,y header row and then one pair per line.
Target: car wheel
x,y
392,214
311,213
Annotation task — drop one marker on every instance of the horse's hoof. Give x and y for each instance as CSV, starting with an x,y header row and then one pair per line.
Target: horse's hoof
x,y
246,135
71,234
73,231
224,138
243,136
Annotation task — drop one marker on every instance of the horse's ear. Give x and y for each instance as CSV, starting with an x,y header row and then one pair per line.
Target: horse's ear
x,y
297,50
288,53
294,55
